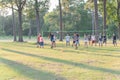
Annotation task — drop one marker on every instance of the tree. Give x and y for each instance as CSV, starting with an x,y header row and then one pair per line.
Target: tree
x,y
65,4
75,19
10,4
104,20
13,22
118,16
61,26
40,6
37,16
20,5
96,18
30,15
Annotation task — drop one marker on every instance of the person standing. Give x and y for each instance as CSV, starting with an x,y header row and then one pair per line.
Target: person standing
x,y
104,39
41,42
85,40
89,39
67,40
100,40
78,39
114,40
52,39
74,39
93,39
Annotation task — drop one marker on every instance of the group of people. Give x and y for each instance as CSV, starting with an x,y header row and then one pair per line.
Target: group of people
x,y
75,38
88,40
40,40
102,39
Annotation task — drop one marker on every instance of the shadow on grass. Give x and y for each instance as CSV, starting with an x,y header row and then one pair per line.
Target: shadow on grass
x,y
78,52
102,49
30,72
81,65
63,50
30,45
93,49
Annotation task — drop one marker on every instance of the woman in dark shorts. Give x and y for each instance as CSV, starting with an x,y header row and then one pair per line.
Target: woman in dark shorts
x,y
104,39
89,39
114,40
74,39
52,39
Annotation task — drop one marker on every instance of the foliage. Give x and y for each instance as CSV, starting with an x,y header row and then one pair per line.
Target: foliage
x,y
77,16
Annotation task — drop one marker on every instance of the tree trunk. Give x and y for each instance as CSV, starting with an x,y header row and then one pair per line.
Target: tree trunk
x,y
37,16
13,22
96,19
104,20
118,16
61,33
20,26
30,30
119,30
93,22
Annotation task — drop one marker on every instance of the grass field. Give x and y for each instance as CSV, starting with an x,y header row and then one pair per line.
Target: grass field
x,y
23,61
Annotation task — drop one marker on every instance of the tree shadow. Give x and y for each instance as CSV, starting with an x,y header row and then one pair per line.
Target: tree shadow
x,y
63,50
96,49
30,72
30,45
80,65
78,52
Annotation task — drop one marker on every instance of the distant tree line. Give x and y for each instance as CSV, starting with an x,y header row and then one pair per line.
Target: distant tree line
x,y
30,17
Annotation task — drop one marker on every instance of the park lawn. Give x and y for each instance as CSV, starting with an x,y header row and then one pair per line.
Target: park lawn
x,y
23,61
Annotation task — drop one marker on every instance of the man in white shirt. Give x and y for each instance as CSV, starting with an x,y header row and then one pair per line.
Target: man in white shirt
x,y
93,39
67,40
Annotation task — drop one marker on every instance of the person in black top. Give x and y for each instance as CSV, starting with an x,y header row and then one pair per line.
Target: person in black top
x,y
104,39
89,38
52,39
100,40
114,40
74,39
78,39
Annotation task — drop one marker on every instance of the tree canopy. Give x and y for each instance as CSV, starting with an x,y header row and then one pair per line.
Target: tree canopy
x,y
30,17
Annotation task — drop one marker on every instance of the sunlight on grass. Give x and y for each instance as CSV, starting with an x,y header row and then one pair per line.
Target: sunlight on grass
x,y
23,61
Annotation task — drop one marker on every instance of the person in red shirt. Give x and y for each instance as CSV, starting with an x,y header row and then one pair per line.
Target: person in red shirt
x,y
41,42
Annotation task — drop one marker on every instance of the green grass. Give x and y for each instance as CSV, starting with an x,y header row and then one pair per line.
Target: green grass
x,y
23,61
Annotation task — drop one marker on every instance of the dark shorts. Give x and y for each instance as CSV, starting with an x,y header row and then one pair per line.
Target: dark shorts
x,y
76,42
93,41
89,39
104,41
67,41
41,43
73,41
114,41
100,39
53,41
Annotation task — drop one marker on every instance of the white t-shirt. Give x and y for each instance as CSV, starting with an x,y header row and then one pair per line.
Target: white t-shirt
x,y
67,38
93,37
54,38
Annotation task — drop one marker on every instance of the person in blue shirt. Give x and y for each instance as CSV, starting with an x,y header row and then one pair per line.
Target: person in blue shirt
x,y
114,40
52,39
